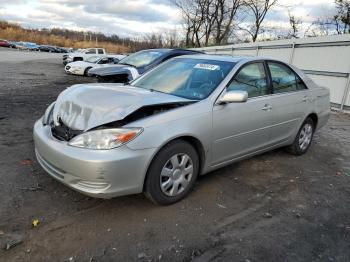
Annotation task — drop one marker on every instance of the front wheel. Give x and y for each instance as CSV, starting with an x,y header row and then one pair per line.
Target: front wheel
x,y
303,139
172,173
86,71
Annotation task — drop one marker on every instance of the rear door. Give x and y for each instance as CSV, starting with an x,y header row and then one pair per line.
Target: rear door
x,y
290,101
243,128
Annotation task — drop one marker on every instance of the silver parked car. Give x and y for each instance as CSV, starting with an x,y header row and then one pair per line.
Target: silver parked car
x,y
187,117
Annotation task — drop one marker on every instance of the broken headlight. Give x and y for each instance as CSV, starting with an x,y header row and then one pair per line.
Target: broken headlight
x,y
47,117
105,138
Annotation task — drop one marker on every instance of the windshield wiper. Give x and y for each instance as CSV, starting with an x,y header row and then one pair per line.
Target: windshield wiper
x,y
153,90
127,64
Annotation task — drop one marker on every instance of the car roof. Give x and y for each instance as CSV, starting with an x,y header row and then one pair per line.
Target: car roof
x,y
223,58
182,50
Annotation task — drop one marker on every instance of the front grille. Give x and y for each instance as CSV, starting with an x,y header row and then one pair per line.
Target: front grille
x,y
65,57
63,132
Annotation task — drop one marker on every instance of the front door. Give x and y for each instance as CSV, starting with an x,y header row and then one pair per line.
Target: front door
x,y
243,128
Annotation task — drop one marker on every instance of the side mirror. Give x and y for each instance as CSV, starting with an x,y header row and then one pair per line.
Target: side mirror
x,y
236,96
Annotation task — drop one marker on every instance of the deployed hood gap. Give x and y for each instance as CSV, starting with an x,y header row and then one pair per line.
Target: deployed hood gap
x,y
143,112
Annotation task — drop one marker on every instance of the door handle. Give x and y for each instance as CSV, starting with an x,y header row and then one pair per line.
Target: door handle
x,y
305,99
267,107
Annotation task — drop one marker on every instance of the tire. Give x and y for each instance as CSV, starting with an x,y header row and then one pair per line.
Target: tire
x,y
179,163
86,71
303,139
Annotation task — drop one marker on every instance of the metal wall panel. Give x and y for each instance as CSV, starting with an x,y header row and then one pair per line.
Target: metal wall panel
x,y
336,84
281,54
323,58
244,52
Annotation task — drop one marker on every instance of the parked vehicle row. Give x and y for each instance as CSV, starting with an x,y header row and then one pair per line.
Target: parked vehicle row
x,y
5,43
181,116
33,46
126,70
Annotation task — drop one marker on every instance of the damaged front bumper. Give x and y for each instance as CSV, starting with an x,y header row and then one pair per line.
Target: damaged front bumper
x,y
73,70
96,173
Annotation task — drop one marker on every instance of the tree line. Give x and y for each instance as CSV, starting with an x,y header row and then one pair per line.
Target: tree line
x,y
217,22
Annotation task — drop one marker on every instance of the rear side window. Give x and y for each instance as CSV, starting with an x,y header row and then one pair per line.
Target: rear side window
x,y
251,78
91,51
284,79
100,51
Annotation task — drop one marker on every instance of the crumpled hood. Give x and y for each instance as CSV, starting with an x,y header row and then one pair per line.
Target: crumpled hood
x,y
115,70
85,106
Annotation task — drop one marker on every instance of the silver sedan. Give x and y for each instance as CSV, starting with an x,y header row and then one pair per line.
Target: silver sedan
x,y
185,118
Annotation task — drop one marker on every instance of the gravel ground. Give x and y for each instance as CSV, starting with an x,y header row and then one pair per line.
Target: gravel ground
x,y
273,207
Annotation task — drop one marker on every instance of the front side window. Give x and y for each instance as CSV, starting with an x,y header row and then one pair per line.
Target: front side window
x,y
100,51
93,59
103,61
190,78
251,78
284,79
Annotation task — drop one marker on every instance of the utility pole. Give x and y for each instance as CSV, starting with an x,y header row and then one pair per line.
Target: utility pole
x,y
96,41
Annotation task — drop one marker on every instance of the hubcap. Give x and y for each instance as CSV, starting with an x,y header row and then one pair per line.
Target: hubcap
x,y
305,136
176,174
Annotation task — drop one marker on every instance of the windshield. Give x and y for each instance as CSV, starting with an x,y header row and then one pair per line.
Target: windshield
x,y
186,77
142,58
93,59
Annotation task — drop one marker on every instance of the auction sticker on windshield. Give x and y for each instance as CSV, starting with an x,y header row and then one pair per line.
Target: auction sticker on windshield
x,y
207,66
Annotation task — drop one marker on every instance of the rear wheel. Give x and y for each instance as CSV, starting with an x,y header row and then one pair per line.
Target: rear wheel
x,y
304,137
172,173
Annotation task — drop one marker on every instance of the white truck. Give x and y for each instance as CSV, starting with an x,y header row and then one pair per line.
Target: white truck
x,y
83,55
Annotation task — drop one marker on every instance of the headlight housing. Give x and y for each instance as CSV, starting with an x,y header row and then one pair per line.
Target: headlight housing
x,y
47,117
105,139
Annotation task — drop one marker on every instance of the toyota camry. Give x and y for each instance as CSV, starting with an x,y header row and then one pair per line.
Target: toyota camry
x,y
186,117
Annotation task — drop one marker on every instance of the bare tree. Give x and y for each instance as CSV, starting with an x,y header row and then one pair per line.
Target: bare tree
x,y
259,9
208,21
320,27
170,38
336,24
192,12
226,11
342,18
295,24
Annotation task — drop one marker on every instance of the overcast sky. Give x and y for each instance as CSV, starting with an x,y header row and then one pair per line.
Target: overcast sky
x,y
132,17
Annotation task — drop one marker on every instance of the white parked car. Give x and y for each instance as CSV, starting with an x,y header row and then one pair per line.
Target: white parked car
x,y
83,55
82,67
